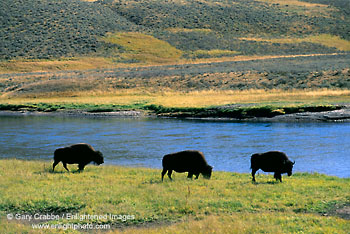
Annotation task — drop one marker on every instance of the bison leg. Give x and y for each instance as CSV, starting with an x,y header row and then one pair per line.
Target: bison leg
x,y
163,173
190,174
54,165
253,174
197,175
280,177
277,176
65,166
81,167
169,174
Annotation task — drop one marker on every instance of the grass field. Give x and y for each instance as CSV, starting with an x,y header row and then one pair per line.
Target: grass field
x,y
144,58
191,99
227,203
323,39
232,104
143,48
270,83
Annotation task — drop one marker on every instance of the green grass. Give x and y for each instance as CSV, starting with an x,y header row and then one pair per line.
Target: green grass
x,y
322,39
212,53
238,112
224,111
296,205
49,107
143,48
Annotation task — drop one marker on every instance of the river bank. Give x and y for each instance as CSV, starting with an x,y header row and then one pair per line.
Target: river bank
x,y
228,202
322,113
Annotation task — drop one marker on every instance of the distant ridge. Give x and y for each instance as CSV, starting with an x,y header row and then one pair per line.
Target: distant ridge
x,y
41,29
53,29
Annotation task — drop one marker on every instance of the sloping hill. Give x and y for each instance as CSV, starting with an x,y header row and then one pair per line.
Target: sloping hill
x,y
47,29
56,28
226,24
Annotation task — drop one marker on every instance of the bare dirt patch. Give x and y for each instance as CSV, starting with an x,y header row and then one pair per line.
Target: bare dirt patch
x,y
340,211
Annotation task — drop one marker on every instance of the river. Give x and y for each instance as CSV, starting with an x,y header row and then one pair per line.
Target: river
x,y
227,146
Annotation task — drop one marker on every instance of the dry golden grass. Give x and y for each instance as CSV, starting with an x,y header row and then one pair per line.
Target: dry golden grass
x,y
85,63
246,57
82,63
294,3
330,41
144,48
176,30
193,99
214,98
215,53
323,39
301,8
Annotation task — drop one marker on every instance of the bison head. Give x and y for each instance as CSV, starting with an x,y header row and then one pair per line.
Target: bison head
x,y
288,165
98,159
207,172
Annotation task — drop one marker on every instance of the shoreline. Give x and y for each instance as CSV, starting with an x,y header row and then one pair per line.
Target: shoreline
x,y
75,113
141,166
334,116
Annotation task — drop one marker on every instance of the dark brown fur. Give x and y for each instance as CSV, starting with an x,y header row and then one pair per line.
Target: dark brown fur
x,y
272,161
191,161
81,154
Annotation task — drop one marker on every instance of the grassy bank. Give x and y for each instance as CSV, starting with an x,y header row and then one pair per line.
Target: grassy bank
x,y
236,112
259,87
230,104
227,203
262,87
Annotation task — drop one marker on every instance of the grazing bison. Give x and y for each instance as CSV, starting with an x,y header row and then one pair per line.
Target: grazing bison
x,y
81,154
272,161
191,161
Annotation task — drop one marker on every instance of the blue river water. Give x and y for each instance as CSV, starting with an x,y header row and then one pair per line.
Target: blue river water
x,y
227,146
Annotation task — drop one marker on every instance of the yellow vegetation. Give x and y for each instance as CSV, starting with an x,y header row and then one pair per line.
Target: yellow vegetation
x,y
215,53
301,8
85,63
263,97
294,3
79,63
323,39
176,30
194,99
144,48
330,41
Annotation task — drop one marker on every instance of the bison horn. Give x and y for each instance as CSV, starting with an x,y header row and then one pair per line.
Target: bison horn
x,y
294,162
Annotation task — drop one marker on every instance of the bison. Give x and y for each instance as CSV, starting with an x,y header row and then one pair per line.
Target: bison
x,y
191,161
81,154
272,161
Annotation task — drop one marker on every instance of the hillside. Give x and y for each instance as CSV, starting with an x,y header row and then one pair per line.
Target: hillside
x,y
41,29
238,25
51,29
